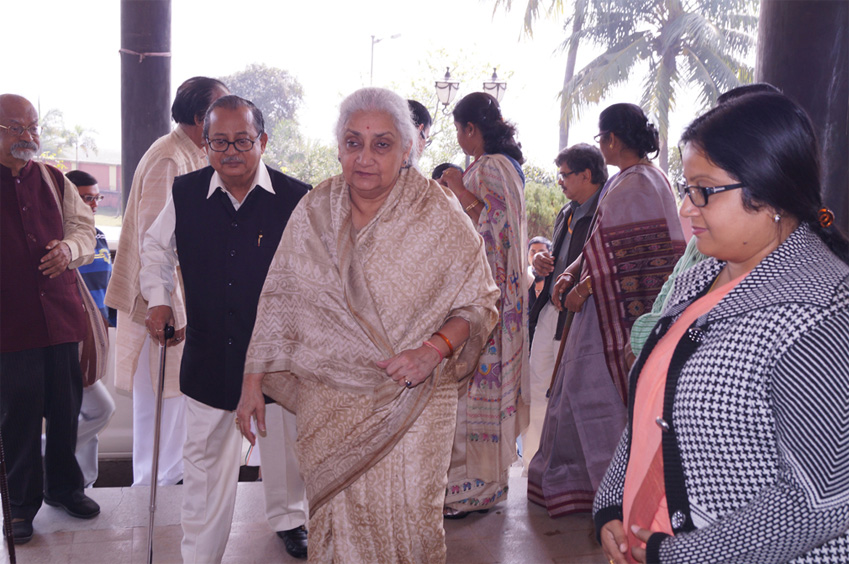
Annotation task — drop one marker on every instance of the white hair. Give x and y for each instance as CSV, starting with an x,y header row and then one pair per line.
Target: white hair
x,y
380,100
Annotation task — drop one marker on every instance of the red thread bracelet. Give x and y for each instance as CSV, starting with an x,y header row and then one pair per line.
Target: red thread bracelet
x,y
431,345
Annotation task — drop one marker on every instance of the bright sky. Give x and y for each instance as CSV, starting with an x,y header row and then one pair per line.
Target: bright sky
x,y
67,56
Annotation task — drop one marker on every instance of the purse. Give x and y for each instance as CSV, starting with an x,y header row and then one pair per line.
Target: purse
x,y
94,348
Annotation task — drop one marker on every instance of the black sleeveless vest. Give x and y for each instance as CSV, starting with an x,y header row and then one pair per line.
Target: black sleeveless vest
x,y
224,256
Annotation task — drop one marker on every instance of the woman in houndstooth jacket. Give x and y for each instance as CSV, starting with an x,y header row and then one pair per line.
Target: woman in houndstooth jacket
x,y
737,444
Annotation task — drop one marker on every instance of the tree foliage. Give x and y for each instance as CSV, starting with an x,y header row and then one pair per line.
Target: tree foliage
x,y
59,140
301,157
543,200
274,91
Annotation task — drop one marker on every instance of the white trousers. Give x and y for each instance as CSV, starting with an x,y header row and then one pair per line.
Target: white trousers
x,y
285,494
95,412
543,358
211,462
172,434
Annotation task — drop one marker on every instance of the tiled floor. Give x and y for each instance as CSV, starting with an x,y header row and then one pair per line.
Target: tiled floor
x,y
515,532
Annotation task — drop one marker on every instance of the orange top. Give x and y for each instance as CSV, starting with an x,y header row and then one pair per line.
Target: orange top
x,y
644,496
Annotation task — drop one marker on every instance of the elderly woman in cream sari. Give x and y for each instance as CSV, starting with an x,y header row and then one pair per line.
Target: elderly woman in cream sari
x,y
376,305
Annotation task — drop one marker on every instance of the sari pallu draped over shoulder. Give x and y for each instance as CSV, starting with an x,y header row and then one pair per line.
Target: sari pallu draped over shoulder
x,y
337,300
634,245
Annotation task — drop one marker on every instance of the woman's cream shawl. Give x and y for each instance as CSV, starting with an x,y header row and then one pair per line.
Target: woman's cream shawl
x,y
337,300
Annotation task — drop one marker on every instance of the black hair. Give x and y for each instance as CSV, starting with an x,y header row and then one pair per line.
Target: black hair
x,y
482,110
81,178
437,172
631,126
193,98
233,102
583,157
539,239
421,117
766,142
753,88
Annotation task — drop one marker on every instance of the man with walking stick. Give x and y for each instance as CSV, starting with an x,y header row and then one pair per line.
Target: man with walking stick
x,y
581,175
224,222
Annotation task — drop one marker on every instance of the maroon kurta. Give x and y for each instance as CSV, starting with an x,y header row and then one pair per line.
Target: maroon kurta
x,y
35,311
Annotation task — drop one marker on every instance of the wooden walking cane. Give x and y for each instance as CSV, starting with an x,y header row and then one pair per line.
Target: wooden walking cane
x,y
169,333
566,326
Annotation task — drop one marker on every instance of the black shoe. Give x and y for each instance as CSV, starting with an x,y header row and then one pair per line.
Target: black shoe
x,y
295,541
21,530
448,513
80,506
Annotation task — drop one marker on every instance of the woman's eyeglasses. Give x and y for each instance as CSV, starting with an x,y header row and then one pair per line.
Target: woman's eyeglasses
x,y
699,194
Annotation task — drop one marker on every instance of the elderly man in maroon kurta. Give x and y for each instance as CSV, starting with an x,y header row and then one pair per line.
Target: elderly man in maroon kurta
x,y
45,230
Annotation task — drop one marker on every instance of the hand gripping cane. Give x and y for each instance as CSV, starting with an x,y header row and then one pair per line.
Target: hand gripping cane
x,y
169,333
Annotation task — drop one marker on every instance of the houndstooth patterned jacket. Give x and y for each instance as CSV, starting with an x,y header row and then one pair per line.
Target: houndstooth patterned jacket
x,y
756,456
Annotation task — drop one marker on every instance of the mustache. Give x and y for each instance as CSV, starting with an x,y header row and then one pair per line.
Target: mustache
x,y
233,159
25,145
24,150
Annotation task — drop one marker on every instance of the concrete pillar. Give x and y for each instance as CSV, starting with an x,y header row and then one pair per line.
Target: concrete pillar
x,y
145,81
803,49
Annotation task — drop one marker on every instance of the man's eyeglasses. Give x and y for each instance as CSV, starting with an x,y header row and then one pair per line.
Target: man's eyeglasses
x,y
242,145
89,199
562,176
699,194
34,130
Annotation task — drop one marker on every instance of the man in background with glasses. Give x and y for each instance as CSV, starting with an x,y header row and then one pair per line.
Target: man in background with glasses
x,y
136,361
45,232
581,175
223,223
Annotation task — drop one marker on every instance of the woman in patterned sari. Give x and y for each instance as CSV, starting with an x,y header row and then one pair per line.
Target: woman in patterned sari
x,y
491,410
377,303
634,243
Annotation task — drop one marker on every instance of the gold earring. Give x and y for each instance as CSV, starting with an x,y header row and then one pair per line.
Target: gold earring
x,y
776,218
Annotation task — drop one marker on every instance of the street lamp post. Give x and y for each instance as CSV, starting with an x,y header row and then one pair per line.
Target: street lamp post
x,y
495,86
375,39
446,90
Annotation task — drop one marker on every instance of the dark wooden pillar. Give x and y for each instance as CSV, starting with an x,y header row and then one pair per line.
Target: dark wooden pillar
x,y
145,81
803,49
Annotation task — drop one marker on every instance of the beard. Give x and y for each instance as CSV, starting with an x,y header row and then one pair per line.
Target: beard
x,y
24,150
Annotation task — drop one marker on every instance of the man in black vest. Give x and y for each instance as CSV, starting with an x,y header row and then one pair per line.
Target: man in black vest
x,y
224,222
581,176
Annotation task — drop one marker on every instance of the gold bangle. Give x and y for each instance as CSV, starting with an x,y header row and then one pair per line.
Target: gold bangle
x,y
447,342
589,282
472,206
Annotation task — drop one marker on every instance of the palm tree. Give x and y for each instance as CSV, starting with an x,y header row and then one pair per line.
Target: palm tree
x,y
79,138
697,43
